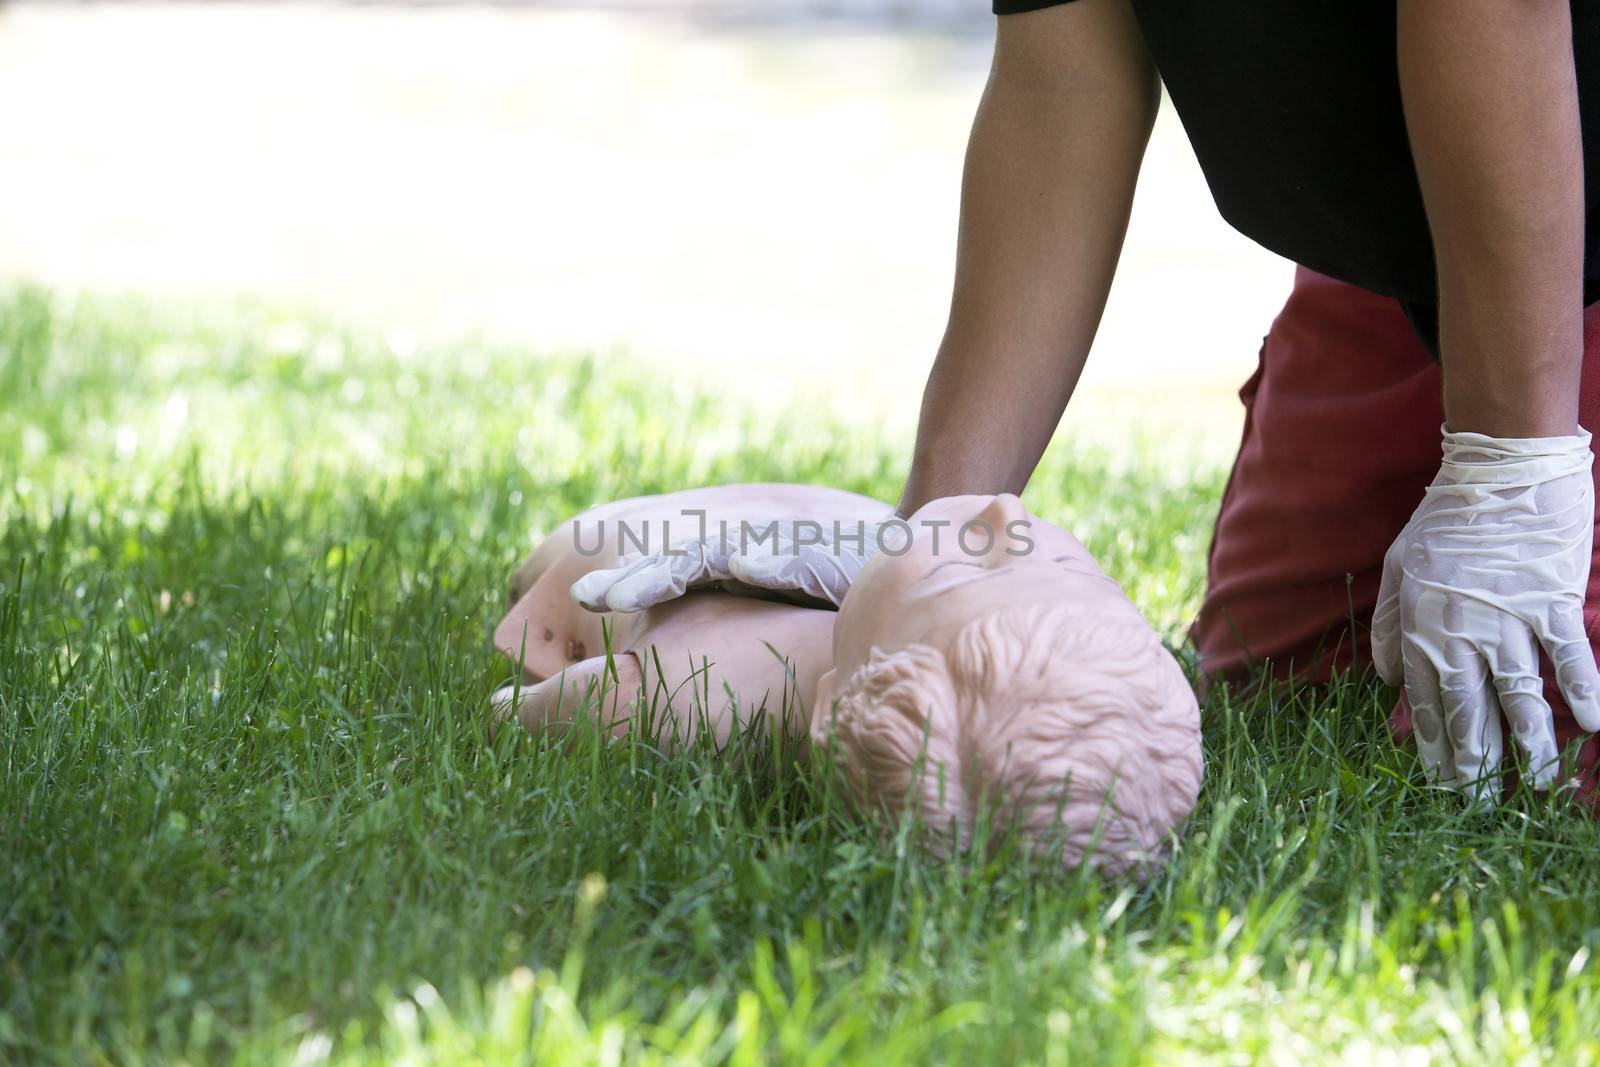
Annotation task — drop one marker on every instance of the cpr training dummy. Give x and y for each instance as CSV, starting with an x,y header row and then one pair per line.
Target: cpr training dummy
x,y
979,661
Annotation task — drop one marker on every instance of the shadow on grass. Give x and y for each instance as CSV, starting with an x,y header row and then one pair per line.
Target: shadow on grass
x,y
251,805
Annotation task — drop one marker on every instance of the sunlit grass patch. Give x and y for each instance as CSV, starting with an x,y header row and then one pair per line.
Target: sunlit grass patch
x,y
253,808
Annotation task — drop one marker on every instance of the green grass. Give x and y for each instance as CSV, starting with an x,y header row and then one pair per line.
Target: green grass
x,y
250,810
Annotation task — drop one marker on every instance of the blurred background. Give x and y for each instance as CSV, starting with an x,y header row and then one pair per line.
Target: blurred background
x,y
759,194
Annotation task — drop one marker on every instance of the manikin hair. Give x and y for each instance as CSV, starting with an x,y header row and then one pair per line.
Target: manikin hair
x,y
1079,730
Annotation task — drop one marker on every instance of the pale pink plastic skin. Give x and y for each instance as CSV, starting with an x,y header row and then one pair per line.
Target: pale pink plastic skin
x,y
1015,680
1021,680
696,649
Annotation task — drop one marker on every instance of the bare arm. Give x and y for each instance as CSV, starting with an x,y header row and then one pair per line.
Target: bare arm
x,y
1050,172
1492,109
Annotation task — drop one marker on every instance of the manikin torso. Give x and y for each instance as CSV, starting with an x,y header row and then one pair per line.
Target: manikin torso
x,y
712,659
697,649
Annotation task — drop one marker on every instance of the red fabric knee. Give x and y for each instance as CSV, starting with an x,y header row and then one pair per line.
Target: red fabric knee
x,y
1586,759
1341,437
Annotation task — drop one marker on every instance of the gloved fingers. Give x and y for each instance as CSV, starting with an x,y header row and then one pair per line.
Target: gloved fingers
x,y
688,565
590,590
1566,642
651,582
809,571
704,564
711,557
641,581
1387,656
1522,703
1427,715
818,561
1471,716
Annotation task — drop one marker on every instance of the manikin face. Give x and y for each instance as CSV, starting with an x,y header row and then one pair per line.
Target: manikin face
x,y
945,580
1012,664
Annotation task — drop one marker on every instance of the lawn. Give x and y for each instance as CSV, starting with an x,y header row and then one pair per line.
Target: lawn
x,y
251,811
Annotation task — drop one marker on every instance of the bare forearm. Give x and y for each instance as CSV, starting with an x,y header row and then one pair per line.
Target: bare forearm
x,y
1049,181
1492,109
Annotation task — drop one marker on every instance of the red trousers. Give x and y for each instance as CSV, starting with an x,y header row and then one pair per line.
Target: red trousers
x,y
1341,437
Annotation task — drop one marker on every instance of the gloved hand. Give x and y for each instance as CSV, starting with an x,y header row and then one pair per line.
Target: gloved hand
x,y
1491,568
799,558
640,580
816,562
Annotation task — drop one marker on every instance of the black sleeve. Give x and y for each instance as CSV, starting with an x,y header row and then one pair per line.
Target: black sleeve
x,y
1017,7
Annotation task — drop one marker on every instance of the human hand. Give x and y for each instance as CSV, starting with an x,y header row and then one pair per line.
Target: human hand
x,y
799,558
1491,569
641,580
807,559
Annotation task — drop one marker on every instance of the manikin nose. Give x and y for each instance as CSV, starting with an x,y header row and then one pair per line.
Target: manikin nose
x,y
998,519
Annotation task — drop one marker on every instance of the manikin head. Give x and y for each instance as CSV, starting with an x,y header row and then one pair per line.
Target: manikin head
x,y
1001,669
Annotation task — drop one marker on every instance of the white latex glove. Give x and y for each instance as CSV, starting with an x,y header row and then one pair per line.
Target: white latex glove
x,y
640,580
798,558
1491,568
814,561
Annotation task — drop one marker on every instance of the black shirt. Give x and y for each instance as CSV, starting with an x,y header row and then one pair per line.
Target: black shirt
x,y
1293,109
